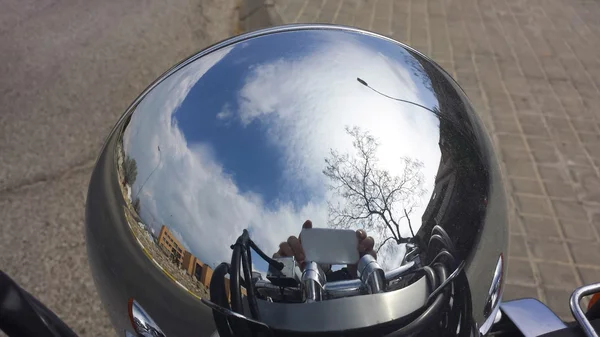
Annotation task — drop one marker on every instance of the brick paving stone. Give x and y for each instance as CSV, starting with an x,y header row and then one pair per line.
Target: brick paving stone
x,y
531,69
515,225
537,144
586,253
532,205
578,231
543,227
556,298
514,291
521,272
517,246
589,275
509,127
552,173
569,210
557,275
526,186
559,189
536,131
545,157
544,249
521,168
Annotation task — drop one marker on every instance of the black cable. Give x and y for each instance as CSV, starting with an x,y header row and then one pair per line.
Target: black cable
x,y
439,298
247,265
425,318
442,253
452,317
234,278
433,280
466,323
447,281
439,238
442,232
219,296
276,264
442,270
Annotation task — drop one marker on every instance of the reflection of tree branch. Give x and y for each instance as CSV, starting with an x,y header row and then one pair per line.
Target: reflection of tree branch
x,y
383,243
409,224
371,194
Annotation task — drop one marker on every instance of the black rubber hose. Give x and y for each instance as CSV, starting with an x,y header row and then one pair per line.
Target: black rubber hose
x,y
218,295
466,314
234,275
247,265
448,280
449,244
442,253
440,239
270,261
431,276
427,317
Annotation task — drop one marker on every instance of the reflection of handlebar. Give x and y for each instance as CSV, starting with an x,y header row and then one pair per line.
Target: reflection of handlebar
x,y
361,286
314,287
288,284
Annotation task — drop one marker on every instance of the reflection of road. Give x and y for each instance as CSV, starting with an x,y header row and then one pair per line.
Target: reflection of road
x,y
175,311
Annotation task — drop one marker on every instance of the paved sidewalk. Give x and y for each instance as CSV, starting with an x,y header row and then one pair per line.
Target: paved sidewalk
x,y
532,69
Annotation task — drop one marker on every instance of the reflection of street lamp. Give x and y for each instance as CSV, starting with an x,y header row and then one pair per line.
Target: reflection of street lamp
x,y
363,82
151,173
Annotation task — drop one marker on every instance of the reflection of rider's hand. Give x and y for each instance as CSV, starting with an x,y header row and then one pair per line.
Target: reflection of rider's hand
x,y
365,246
293,247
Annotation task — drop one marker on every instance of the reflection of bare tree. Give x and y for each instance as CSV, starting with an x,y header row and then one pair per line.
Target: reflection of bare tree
x,y
373,198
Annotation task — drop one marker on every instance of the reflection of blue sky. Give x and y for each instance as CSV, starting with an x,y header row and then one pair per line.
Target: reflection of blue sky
x,y
244,132
241,155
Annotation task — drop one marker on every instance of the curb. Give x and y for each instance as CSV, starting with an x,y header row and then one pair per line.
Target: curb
x,y
256,14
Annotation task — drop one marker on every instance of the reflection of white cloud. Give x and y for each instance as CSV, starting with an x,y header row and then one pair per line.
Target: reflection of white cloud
x,y
225,113
302,102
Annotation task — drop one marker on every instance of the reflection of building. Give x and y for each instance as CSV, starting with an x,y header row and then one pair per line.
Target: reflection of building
x,y
197,268
171,245
187,261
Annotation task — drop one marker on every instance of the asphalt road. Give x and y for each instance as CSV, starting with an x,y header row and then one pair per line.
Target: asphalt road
x,y
68,69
